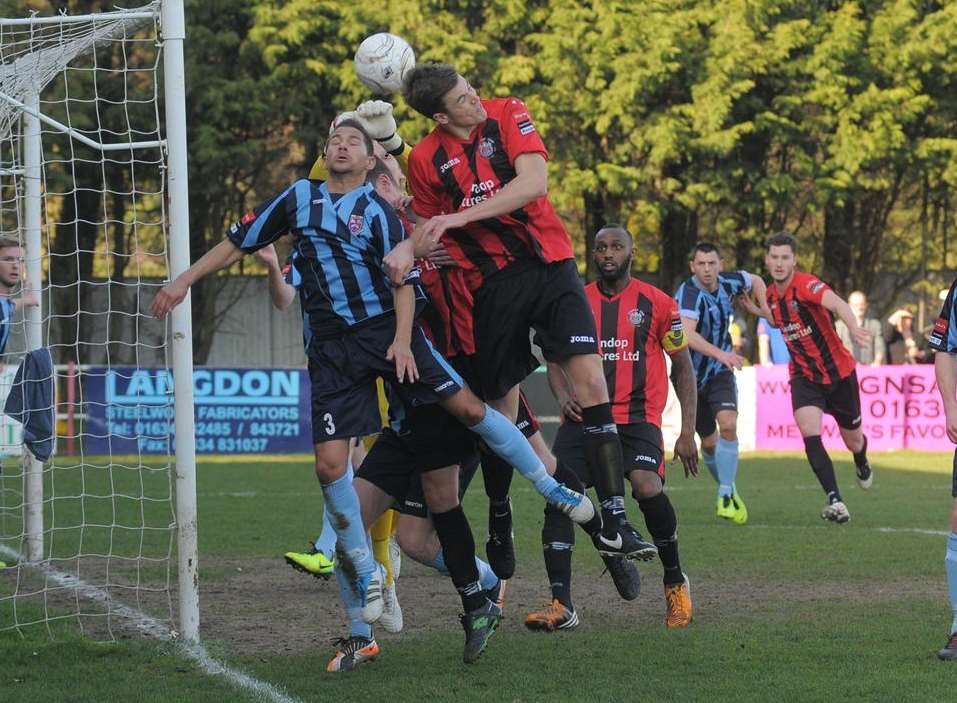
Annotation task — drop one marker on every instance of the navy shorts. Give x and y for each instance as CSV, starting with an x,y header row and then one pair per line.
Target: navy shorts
x,y
719,393
641,444
548,298
343,372
841,400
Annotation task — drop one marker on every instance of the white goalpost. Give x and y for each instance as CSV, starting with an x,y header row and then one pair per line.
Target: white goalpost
x,y
93,186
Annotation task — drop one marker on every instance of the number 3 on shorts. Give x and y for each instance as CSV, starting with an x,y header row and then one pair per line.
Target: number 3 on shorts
x,y
330,425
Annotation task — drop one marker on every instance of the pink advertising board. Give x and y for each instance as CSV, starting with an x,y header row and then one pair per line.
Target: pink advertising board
x,y
900,409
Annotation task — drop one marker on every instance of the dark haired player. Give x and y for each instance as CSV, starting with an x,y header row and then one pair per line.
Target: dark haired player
x,y
943,340
706,301
638,325
481,177
823,375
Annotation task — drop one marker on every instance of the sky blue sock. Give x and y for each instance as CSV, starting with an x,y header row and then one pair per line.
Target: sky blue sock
x,y
487,577
709,461
353,606
726,460
343,505
326,541
508,442
951,565
438,563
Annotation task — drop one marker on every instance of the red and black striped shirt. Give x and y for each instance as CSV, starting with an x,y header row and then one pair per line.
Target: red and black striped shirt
x,y
447,175
635,330
817,353
448,317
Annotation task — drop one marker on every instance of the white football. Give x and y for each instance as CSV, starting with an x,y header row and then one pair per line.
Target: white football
x,y
381,62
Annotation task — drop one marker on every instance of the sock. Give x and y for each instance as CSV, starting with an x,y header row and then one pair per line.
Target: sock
x,y
342,504
603,454
458,550
381,533
663,525
951,566
860,458
726,459
487,578
326,541
568,477
558,541
497,475
711,462
506,440
350,599
822,466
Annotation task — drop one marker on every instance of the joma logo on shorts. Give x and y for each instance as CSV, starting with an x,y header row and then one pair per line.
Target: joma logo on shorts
x,y
445,385
645,459
581,338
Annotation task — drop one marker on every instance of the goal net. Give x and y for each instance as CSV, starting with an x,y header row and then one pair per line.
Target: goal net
x,y
89,535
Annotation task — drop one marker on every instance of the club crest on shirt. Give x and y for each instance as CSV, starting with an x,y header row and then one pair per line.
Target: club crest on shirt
x,y
815,286
356,223
636,317
486,147
248,217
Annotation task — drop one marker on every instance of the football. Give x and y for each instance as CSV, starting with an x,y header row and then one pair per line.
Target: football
x,y
381,62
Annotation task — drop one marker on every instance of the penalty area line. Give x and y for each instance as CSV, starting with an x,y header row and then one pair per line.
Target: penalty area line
x,y
152,627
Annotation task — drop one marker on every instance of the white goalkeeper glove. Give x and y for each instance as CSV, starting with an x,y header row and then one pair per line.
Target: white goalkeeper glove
x,y
376,117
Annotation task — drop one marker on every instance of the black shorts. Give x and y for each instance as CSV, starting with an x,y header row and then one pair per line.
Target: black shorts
x,y
465,365
414,501
641,445
432,439
548,298
343,372
719,393
841,400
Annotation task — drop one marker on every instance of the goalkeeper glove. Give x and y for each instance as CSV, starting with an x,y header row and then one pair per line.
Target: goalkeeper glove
x,y
376,117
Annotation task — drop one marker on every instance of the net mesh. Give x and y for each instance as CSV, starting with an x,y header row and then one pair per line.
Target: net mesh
x,y
108,514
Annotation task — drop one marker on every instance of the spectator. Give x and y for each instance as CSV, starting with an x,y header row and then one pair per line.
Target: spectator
x,y
872,353
772,349
899,337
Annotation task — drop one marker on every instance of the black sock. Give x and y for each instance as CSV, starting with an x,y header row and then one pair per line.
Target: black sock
x,y
558,540
663,525
603,454
497,475
860,458
822,466
458,549
565,475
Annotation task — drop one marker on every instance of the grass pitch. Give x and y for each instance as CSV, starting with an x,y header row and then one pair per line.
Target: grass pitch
x,y
787,607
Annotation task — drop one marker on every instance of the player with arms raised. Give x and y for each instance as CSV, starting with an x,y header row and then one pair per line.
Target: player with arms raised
x,y
823,375
481,180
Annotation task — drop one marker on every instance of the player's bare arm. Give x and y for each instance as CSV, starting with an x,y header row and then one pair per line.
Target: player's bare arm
x,y
837,305
400,350
564,392
686,386
755,301
219,257
703,346
530,183
280,293
945,368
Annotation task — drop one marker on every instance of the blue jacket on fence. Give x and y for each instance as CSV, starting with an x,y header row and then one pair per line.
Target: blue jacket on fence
x,y
31,402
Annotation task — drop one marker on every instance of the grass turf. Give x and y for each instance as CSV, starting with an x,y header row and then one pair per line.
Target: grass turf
x,y
820,611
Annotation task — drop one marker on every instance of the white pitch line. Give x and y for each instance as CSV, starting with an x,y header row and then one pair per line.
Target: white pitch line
x,y
154,628
891,530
